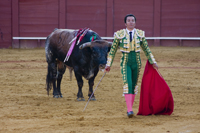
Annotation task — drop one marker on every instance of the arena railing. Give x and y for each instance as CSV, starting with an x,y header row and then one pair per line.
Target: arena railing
x,y
180,39
110,38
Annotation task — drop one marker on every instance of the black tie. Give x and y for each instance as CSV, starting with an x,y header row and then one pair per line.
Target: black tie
x,y
130,33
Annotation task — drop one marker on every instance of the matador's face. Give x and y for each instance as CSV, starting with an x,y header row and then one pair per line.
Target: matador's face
x,y
130,23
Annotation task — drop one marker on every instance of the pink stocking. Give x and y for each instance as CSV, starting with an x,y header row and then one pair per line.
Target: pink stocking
x,y
133,98
129,101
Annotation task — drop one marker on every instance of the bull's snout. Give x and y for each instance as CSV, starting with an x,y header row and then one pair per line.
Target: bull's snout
x,y
102,66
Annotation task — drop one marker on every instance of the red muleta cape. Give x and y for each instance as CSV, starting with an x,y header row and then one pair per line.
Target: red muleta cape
x,y
155,96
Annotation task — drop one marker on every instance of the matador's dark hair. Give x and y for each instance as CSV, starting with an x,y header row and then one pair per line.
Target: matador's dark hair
x,y
129,15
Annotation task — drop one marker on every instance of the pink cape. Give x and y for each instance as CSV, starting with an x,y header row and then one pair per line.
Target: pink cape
x,y
155,96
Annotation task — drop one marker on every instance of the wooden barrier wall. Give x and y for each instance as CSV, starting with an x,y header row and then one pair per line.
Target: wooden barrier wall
x,y
38,18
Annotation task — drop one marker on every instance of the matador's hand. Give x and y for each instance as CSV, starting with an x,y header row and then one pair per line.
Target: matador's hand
x,y
107,69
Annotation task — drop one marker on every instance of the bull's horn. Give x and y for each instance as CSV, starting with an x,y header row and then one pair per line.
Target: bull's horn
x,y
103,41
109,43
87,44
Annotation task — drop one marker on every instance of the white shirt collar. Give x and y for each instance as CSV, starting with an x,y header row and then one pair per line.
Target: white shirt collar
x,y
133,31
129,30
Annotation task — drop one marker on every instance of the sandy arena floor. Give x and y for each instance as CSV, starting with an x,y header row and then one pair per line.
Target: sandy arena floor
x,y
26,108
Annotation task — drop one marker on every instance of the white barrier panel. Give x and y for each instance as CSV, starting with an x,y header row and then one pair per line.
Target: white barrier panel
x,y
110,38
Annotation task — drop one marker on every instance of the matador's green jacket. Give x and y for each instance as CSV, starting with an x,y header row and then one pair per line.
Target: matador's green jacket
x,y
121,38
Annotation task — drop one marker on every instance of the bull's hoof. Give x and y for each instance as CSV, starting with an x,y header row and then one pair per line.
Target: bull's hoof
x,y
57,96
93,99
80,99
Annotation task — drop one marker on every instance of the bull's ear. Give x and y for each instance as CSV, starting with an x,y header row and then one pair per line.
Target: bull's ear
x,y
110,44
87,44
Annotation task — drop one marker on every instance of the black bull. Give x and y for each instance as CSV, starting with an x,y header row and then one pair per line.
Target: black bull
x,y
86,59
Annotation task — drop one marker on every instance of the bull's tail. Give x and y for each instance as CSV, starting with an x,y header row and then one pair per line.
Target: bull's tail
x,y
49,79
51,66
